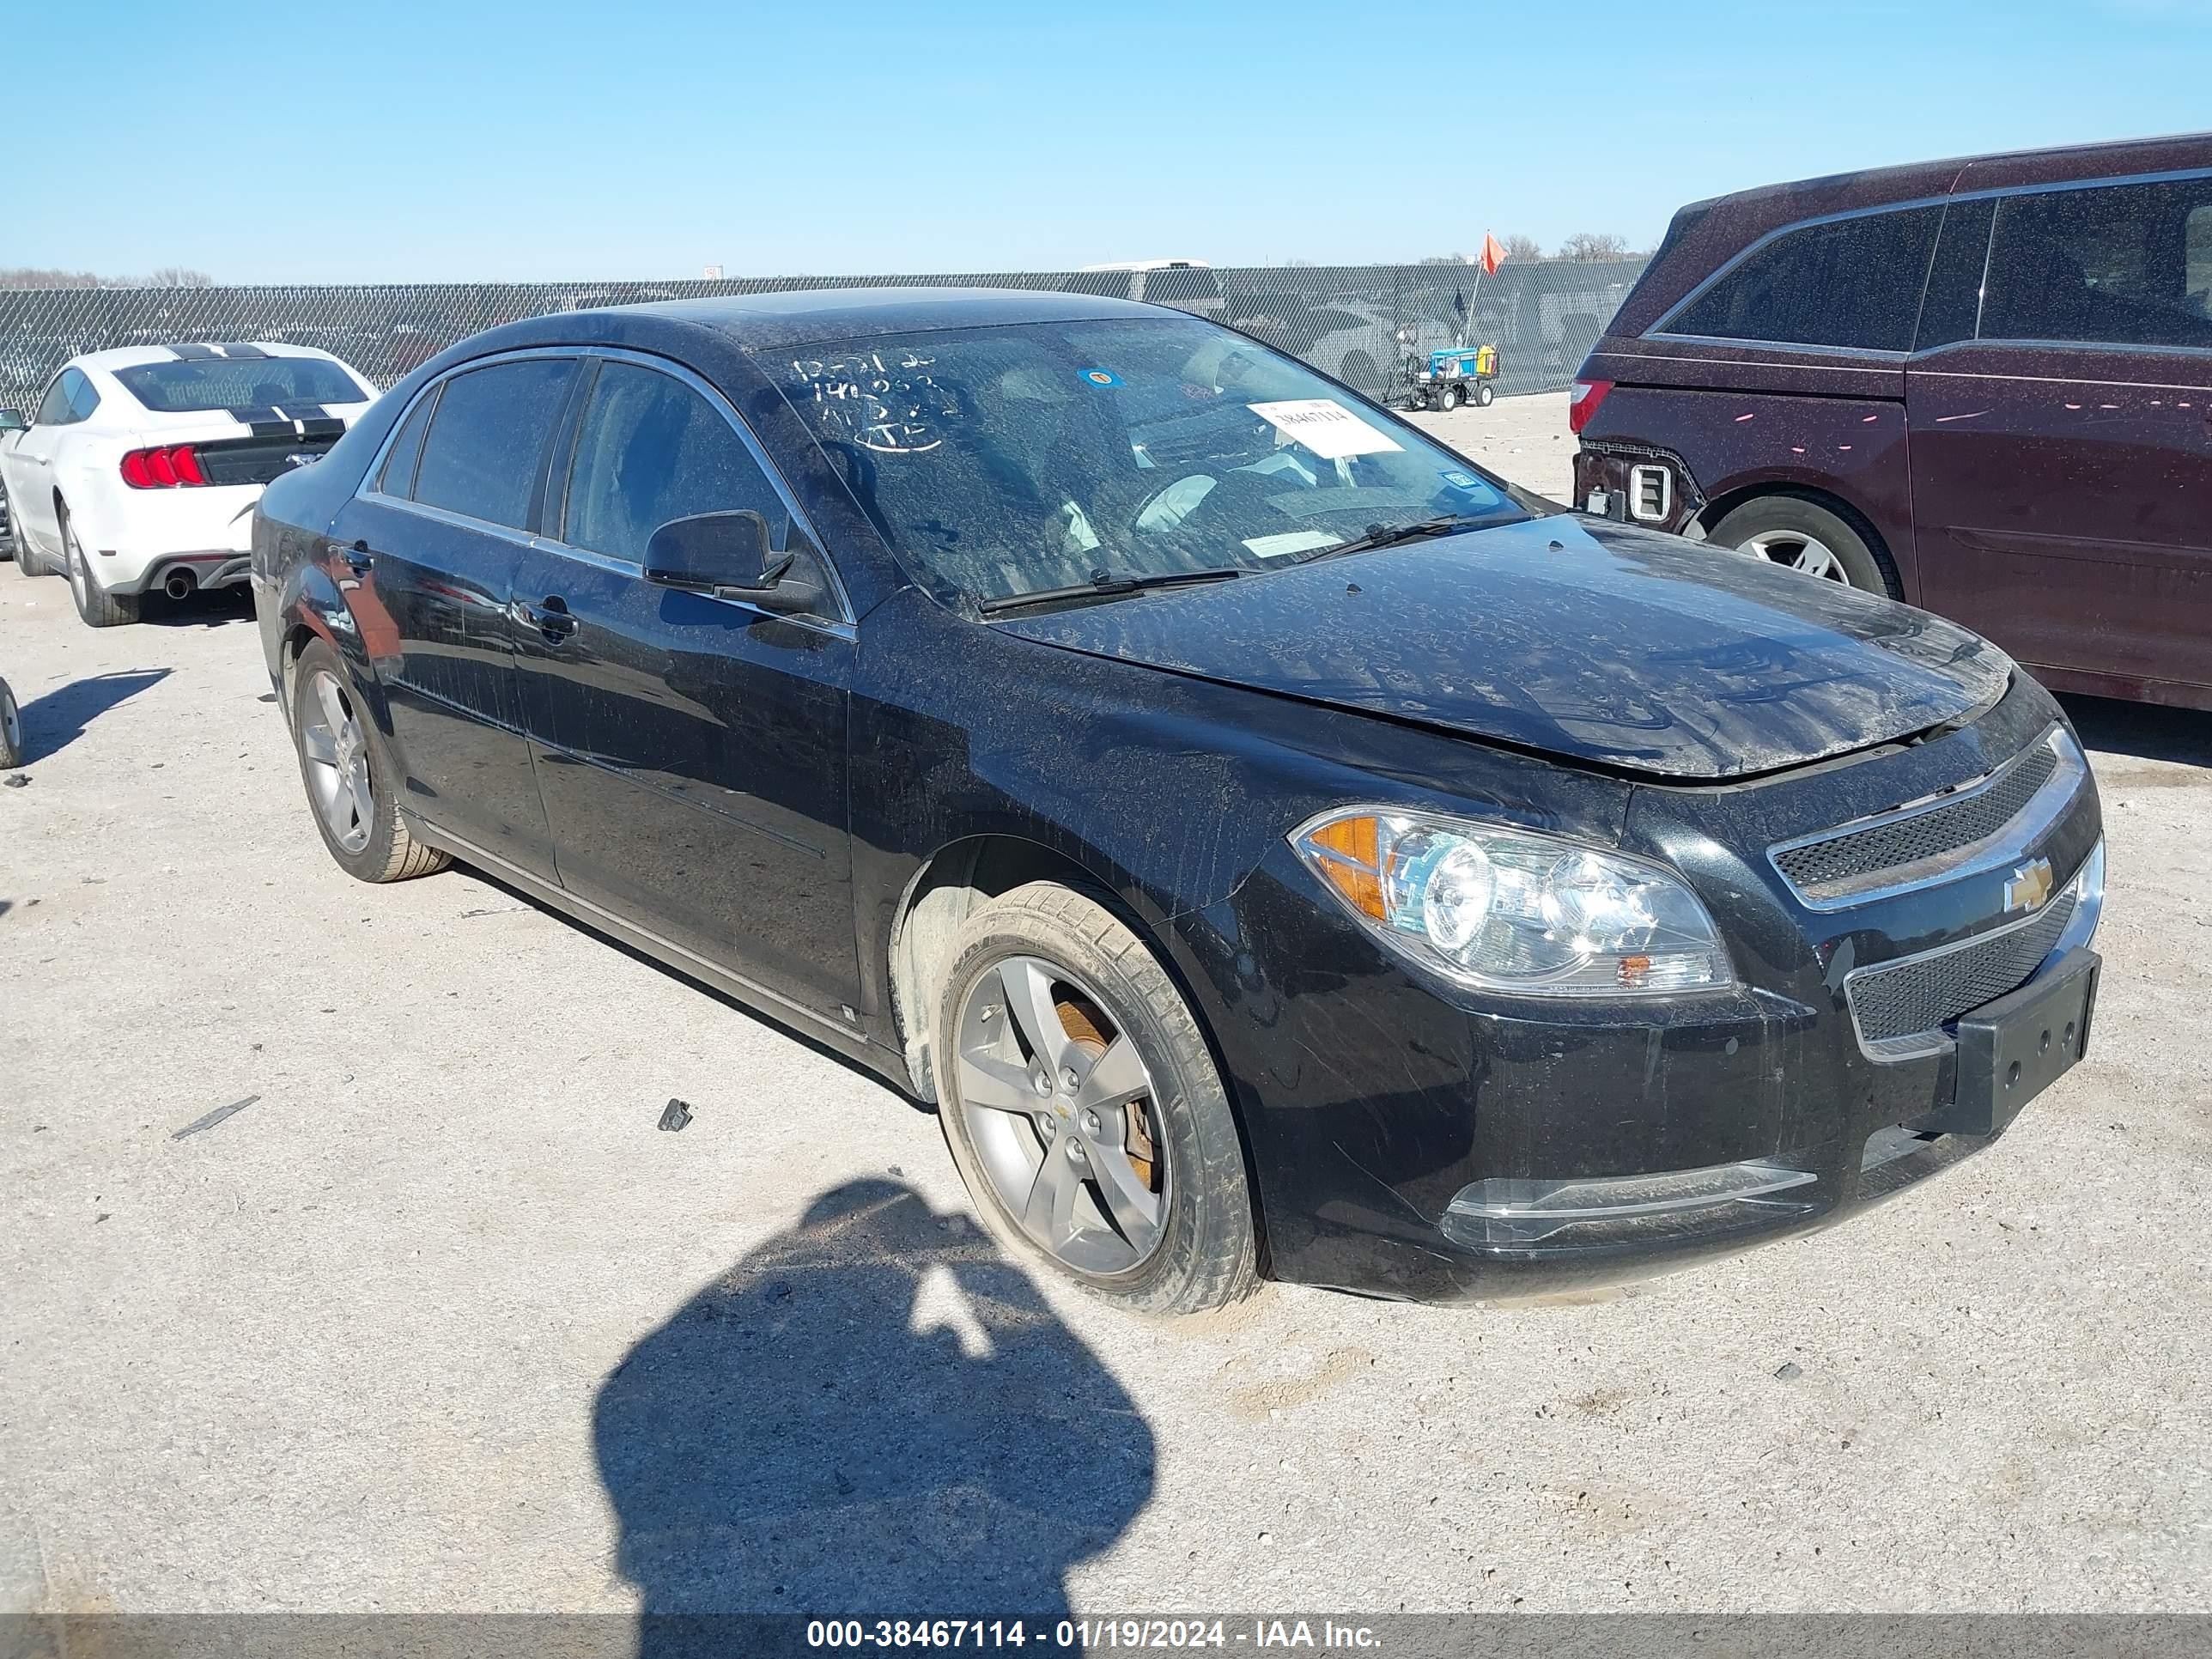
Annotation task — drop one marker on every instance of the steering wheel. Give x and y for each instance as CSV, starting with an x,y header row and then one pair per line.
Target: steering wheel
x,y
1231,486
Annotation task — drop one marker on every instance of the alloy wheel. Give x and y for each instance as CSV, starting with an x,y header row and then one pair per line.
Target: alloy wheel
x,y
1059,1105
1797,551
337,750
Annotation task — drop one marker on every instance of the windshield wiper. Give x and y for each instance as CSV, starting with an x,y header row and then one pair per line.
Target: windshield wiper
x,y
1105,585
1380,535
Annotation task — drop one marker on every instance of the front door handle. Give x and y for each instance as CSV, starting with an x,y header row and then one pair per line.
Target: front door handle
x,y
552,618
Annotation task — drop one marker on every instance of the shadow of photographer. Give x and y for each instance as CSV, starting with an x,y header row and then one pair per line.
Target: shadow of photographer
x,y
874,1412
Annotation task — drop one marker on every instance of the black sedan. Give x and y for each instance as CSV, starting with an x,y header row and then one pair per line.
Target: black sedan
x,y
1272,844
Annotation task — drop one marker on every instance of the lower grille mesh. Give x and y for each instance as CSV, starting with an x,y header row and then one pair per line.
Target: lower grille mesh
x,y
1917,997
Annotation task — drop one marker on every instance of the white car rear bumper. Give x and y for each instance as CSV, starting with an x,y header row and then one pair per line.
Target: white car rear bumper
x,y
131,545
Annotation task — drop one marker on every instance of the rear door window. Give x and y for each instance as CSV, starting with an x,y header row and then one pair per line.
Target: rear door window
x,y
651,450
2114,265
485,443
1854,281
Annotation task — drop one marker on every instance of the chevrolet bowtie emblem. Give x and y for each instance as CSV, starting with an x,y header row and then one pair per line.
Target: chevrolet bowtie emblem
x,y
2029,886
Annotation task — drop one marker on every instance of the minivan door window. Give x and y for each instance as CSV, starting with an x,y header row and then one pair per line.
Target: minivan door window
x,y
1855,281
2120,264
691,750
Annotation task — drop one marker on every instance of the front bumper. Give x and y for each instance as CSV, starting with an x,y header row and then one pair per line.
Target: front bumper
x,y
1413,1141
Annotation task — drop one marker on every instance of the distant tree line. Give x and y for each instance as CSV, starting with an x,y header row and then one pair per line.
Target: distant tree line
x,y
1583,247
167,276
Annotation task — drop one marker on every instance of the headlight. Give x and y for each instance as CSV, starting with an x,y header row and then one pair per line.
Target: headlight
x,y
1513,910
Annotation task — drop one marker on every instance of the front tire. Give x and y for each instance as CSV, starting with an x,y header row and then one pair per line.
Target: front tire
x,y
1484,394
27,558
348,778
1447,399
1082,1106
97,607
1805,537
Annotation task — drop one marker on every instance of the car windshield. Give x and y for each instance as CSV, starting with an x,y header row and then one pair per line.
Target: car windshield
x,y
239,383
1018,459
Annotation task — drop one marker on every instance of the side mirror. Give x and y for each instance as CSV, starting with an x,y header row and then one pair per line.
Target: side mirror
x,y
11,420
727,555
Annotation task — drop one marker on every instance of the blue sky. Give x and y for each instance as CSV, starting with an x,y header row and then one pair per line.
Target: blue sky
x,y
394,140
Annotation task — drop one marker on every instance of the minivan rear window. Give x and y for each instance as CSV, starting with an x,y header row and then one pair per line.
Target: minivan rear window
x,y
1854,281
2114,265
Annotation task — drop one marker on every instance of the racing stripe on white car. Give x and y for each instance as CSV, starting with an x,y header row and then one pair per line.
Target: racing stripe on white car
x,y
193,354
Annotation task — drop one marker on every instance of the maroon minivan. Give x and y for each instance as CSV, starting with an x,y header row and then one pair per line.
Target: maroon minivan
x,y
1983,386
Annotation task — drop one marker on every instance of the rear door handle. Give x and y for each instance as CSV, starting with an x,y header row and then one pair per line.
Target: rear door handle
x,y
552,618
357,555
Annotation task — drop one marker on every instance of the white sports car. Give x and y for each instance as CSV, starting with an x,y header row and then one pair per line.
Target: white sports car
x,y
141,466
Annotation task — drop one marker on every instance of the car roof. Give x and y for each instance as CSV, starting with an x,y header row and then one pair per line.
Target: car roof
x,y
1706,235
2061,163
793,317
132,356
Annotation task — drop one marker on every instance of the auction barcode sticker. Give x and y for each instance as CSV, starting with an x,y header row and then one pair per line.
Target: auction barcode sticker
x,y
1325,426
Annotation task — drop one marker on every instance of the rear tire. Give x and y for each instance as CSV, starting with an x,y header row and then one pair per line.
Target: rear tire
x,y
11,730
1802,535
1158,1216
1482,394
347,776
97,607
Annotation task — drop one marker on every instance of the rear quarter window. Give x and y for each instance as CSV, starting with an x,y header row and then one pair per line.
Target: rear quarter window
x,y
1853,283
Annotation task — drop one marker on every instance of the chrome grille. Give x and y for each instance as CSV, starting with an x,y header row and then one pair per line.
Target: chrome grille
x,y
1974,827
1900,1008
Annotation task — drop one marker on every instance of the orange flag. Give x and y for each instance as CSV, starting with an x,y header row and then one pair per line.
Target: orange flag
x,y
1492,255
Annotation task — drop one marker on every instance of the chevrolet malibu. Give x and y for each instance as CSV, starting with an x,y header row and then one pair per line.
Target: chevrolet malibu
x,y
1272,845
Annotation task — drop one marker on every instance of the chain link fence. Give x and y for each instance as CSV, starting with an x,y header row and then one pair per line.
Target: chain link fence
x,y
1352,321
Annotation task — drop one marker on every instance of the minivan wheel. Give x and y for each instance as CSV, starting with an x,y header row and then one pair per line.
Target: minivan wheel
x,y
1083,1107
95,606
349,780
1805,537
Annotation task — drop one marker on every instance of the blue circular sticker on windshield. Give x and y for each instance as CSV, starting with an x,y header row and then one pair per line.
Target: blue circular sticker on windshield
x,y
1102,377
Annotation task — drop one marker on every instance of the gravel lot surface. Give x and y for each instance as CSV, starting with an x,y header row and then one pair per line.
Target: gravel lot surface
x,y
442,1321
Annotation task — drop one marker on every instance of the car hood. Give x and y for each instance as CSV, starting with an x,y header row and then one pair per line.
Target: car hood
x,y
1580,638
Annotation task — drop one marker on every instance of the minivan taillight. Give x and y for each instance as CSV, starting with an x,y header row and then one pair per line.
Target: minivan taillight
x,y
164,468
1583,402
